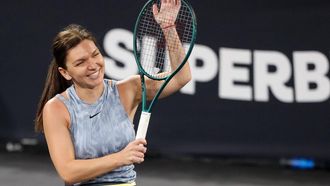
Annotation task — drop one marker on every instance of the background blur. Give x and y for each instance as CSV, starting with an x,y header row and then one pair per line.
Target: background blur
x,y
259,94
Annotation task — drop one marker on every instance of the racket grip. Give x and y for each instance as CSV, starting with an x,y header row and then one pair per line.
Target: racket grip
x,y
143,125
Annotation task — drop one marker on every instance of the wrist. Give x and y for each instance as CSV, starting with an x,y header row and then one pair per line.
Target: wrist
x,y
116,160
167,26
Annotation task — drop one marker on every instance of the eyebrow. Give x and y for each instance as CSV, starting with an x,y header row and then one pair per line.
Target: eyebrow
x,y
96,50
79,60
84,58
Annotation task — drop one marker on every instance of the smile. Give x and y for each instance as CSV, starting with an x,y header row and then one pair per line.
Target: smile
x,y
94,75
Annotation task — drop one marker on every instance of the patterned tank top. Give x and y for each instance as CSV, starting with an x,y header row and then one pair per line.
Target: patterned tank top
x,y
99,129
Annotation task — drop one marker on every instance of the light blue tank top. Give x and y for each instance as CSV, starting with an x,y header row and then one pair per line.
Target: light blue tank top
x,y
99,129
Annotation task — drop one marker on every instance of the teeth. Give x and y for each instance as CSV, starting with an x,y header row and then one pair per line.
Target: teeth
x,y
94,75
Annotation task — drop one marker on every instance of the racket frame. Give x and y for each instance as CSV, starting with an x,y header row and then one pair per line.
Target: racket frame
x,y
146,111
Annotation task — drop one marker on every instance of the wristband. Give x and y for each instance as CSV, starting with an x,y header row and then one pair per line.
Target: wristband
x,y
168,26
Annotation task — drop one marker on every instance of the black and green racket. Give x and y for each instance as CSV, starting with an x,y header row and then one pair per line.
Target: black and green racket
x,y
153,46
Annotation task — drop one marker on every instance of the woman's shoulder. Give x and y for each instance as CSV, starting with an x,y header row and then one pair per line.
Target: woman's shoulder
x,y
129,85
130,80
55,109
55,104
124,84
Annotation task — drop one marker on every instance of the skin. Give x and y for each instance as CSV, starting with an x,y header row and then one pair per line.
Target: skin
x,y
85,67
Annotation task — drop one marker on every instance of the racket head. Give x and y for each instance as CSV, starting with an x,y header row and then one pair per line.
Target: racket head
x,y
150,51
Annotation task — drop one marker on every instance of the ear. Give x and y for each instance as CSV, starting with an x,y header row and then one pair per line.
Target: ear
x,y
64,73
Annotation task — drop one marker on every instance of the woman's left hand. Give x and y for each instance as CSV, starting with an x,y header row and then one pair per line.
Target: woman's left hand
x,y
168,12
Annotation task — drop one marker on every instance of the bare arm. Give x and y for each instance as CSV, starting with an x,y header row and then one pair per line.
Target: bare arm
x,y
56,122
166,17
130,88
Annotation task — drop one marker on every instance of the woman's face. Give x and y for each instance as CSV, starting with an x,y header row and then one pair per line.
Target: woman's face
x,y
85,65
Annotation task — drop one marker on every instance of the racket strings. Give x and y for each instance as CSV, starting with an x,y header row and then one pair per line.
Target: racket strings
x,y
152,46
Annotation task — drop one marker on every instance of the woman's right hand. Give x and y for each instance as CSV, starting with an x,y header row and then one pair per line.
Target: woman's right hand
x,y
134,152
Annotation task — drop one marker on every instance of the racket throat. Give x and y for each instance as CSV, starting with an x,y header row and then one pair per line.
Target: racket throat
x,y
143,125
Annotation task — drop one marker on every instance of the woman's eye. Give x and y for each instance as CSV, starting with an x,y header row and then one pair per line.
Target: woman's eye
x,y
79,63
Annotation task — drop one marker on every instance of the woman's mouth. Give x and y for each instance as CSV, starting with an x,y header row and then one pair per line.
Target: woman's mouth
x,y
94,75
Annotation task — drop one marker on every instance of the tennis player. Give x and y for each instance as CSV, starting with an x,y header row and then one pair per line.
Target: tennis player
x,y
86,119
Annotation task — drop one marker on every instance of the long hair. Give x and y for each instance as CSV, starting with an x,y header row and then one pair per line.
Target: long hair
x,y
55,83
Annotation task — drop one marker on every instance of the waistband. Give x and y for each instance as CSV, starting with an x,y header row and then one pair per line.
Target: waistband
x,y
111,184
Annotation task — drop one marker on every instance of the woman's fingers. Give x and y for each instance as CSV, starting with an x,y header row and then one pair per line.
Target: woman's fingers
x,y
138,150
140,141
137,157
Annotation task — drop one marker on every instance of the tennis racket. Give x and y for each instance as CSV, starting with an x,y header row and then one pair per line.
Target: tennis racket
x,y
152,47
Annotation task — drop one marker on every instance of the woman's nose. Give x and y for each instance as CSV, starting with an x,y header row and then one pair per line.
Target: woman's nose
x,y
92,64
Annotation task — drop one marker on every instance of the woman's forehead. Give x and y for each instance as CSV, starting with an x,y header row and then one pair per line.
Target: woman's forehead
x,y
83,49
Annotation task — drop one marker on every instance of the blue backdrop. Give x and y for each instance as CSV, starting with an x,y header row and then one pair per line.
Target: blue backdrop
x,y
260,82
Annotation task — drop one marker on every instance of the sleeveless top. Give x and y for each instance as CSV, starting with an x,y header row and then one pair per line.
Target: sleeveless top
x,y
99,129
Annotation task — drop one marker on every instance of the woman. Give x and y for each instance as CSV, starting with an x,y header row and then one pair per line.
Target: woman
x,y
86,119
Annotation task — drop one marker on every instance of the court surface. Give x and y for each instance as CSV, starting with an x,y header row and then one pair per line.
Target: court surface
x,y
36,169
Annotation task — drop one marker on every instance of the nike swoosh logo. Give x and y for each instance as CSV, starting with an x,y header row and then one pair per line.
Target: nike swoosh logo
x,y
92,116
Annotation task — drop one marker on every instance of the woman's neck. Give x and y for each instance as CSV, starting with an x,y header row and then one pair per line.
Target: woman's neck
x,y
89,95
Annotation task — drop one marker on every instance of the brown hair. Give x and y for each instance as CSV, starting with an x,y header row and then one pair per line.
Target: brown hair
x,y
55,83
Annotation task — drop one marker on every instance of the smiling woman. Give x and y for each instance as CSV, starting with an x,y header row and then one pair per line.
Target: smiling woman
x,y
85,67
86,119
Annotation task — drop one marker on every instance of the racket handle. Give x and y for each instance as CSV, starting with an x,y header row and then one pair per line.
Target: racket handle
x,y
143,125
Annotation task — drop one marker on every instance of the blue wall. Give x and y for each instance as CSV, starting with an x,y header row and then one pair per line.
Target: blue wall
x,y
260,73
